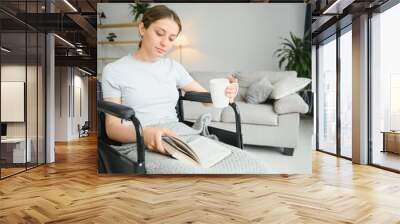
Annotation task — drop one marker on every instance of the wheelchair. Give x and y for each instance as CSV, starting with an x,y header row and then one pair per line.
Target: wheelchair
x,y
111,161
83,130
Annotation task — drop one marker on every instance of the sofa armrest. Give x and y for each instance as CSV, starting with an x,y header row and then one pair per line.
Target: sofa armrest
x,y
290,104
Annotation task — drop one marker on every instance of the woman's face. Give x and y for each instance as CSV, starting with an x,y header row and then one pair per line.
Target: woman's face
x,y
159,37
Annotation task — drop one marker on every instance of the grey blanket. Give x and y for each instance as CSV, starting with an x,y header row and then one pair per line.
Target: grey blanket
x,y
238,162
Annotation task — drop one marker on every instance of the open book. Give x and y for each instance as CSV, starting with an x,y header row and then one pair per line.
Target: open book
x,y
202,151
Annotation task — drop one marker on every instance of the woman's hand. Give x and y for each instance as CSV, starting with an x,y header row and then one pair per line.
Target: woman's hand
x,y
152,138
232,90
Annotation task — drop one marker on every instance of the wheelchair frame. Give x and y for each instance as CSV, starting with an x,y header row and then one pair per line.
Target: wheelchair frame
x,y
111,161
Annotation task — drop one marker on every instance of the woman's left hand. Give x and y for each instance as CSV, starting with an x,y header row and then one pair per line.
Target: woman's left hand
x,y
232,90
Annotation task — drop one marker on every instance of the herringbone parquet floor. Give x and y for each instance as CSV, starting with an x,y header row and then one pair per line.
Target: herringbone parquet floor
x,y
70,191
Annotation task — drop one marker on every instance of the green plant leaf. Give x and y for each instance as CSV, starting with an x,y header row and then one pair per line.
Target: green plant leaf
x,y
296,53
138,9
281,61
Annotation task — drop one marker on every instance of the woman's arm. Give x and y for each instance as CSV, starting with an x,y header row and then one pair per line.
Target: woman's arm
x,y
114,128
126,134
230,91
194,86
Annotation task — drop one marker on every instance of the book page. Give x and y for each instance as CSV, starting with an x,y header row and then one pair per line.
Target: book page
x,y
209,151
179,155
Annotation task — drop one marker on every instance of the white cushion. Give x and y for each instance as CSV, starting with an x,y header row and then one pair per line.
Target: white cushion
x,y
262,114
247,78
288,86
290,104
259,91
193,110
241,96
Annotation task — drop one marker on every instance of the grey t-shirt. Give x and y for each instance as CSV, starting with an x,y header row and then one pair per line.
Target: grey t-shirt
x,y
149,88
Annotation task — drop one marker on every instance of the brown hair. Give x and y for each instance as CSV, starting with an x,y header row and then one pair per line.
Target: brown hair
x,y
159,12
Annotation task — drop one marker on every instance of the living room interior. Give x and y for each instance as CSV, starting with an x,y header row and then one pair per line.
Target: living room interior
x,y
207,57
353,133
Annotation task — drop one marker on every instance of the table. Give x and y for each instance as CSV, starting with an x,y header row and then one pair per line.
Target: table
x,y
13,150
391,141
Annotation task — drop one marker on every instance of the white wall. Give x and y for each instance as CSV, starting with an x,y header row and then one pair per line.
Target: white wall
x,y
222,36
61,103
80,83
17,73
67,80
33,126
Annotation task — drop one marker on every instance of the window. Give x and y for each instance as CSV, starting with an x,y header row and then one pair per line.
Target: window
x,y
22,66
327,97
346,94
385,86
395,102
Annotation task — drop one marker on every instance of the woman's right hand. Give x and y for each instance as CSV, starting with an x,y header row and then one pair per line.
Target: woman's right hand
x,y
152,138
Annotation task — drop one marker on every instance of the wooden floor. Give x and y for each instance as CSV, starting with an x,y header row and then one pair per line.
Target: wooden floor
x,y
70,191
10,171
387,159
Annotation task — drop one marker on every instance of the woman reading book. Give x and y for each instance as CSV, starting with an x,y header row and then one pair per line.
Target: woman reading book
x,y
147,81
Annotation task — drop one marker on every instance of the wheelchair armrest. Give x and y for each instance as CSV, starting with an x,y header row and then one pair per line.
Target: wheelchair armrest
x,y
115,109
127,113
203,97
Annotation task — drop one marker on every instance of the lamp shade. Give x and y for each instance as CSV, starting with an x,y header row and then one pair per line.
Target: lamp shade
x,y
181,40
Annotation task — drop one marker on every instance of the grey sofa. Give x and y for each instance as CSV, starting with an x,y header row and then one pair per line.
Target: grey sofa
x,y
261,125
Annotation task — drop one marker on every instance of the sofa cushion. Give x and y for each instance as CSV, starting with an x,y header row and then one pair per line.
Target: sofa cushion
x,y
241,96
288,86
262,114
290,104
247,78
259,91
193,110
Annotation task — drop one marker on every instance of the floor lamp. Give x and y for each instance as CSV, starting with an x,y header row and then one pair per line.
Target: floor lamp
x,y
181,41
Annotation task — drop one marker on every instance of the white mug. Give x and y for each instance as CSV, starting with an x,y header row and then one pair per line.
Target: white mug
x,y
217,90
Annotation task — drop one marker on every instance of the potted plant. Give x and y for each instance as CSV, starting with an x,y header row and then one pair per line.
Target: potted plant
x,y
295,55
138,9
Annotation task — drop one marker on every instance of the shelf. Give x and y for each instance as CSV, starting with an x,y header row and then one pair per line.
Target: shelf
x,y
118,42
117,25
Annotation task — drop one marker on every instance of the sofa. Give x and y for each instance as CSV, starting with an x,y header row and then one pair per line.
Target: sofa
x,y
262,125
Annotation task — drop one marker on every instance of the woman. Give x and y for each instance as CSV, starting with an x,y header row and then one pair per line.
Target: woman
x,y
147,81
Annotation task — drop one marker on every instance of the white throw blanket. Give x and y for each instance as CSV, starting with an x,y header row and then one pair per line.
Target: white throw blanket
x,y
239,162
